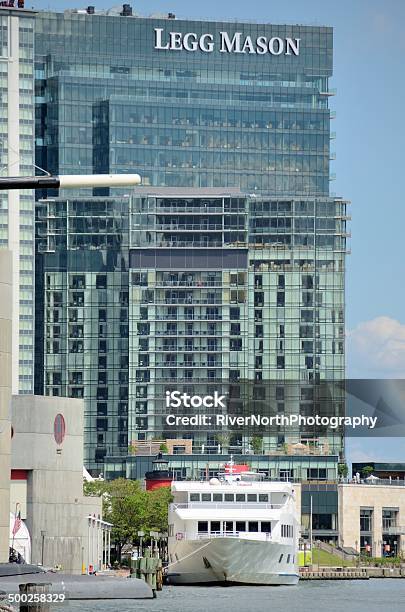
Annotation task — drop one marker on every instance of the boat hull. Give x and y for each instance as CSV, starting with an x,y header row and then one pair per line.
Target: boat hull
x,y
232,561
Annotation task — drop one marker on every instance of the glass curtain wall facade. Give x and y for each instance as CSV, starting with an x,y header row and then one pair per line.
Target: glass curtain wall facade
x,y
82,329
234,148
17,158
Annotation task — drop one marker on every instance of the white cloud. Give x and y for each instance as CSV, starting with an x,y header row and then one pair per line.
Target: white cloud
x,y
376,349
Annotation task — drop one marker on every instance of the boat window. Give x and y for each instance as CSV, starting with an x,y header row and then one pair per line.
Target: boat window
x,y
263,497
215,526
280,558
253,526
252,497
228,526
229,497
240,526
288,558
217,497
266,526
240,497
194,497
202,526
206,497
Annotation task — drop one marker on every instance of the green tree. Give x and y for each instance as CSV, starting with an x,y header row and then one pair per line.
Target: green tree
x,y
131,509
367,470
343,470
157,504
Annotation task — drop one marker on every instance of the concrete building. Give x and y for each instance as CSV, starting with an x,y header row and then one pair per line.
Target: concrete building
x,y
5,397
372,518
17,114
66,527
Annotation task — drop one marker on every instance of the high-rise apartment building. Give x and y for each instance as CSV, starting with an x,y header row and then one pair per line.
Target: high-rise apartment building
x,y
227,267
17,158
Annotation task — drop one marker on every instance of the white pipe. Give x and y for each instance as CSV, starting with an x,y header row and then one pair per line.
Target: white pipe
x,y
98,180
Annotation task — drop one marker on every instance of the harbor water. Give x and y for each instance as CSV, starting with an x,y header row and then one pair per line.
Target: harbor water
x,y
330,596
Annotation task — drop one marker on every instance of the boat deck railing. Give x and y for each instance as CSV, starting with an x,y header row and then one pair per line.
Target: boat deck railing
x,y
247,535
229,505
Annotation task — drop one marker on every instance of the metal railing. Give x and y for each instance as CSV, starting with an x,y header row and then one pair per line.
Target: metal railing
x,y
251,535
378,482
229,505
394,530
193,227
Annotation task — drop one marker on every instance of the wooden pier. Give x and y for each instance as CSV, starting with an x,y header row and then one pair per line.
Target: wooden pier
x,y
351,573
148,568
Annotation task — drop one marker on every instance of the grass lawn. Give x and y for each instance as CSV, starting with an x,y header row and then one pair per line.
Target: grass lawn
x,y
321,557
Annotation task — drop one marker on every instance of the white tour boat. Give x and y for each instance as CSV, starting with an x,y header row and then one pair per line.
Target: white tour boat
x,y
234,529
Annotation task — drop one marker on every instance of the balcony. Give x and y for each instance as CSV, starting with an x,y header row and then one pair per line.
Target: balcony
x,y
187,209
188,318
328,92
394,530
195,283
190,244
199,227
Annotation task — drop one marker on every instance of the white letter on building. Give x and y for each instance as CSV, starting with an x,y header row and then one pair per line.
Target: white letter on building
x,y
158,39
261,45
279,47
205,46
175,41
192,46
248,46
292,46
228,45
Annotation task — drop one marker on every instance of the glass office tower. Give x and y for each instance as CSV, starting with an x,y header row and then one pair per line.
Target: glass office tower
x,y
227,266
17,158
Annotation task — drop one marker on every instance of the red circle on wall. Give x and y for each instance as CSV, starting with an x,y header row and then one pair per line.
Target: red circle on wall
x,y
59,428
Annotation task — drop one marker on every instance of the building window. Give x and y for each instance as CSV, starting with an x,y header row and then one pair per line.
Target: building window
x,y
101,281
202,526
366,519
280,298
389,519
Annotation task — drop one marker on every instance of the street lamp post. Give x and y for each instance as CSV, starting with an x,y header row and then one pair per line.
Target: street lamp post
x,y
69,181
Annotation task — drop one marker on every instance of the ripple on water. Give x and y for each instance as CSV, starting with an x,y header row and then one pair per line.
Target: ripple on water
x,y
328,596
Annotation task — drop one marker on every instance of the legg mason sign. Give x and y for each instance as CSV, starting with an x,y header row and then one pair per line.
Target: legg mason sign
x,y
228,43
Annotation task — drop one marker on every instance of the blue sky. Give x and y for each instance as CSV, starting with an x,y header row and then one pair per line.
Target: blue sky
x,y
370,164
